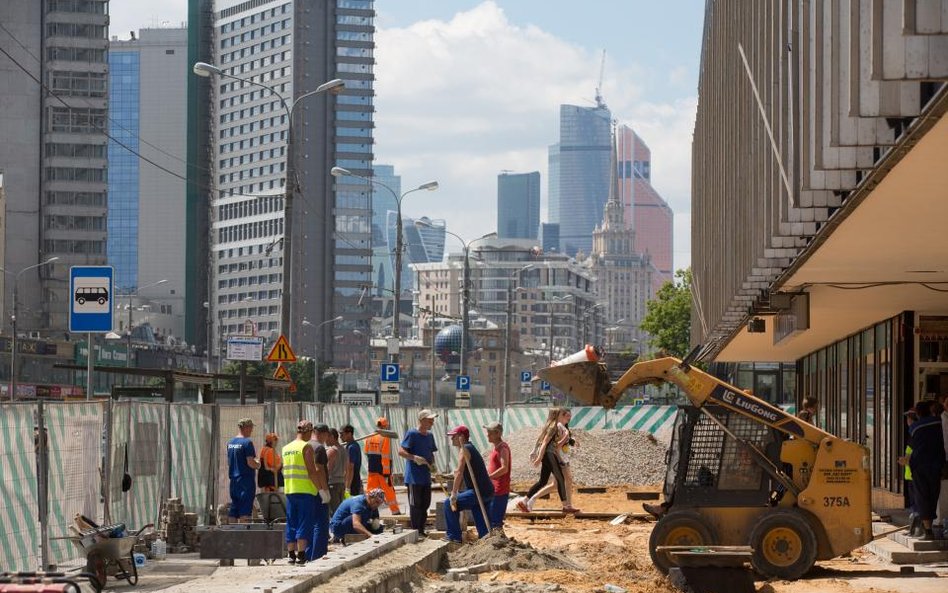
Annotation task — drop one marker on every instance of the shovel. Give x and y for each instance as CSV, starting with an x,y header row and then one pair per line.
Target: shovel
x,y
383,432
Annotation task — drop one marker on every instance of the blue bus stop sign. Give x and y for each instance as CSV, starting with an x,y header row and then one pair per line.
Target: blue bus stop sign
x,y
90,299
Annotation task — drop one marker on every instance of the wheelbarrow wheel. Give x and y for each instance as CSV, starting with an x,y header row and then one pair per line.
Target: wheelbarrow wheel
x,y
95,566
131,575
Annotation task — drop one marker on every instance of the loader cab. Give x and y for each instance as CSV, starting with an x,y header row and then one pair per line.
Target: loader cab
x,y
708,467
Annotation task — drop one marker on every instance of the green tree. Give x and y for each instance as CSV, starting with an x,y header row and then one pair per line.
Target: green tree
x,y
668,316
301,372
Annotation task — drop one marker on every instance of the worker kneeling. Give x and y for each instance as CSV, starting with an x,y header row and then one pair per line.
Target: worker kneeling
x,y
472,490
358,514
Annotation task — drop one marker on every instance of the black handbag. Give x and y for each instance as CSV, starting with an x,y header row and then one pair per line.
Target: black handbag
x,y
126,478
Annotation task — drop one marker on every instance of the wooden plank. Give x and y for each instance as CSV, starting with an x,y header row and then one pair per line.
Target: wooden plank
x,y
591,490
642,495
555,514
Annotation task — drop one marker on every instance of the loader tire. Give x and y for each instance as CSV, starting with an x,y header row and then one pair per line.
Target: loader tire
x,y
784,546
678,528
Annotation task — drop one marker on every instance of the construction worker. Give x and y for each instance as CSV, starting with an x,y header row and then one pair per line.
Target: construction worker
x,y
319,545
242,464
301,483
418,449
358,514
478,492
378,453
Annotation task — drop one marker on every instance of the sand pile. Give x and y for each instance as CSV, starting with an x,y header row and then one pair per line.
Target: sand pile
x,y
497,548
599,458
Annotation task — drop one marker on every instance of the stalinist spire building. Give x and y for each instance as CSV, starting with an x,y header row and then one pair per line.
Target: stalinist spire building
x,y
623,277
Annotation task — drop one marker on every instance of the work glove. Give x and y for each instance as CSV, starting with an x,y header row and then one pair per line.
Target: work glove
x,y
419,460
375,524
346,495
454,502
324,496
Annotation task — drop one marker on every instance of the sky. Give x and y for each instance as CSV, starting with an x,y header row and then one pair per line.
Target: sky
x,y
469,88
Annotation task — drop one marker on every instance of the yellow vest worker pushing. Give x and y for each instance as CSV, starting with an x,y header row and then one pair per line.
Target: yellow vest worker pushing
x,y
296,479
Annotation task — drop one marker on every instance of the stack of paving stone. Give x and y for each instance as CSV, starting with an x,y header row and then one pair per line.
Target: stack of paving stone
x,y
177,527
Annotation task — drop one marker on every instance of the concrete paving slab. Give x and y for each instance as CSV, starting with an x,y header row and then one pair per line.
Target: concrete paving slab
x,y
193,574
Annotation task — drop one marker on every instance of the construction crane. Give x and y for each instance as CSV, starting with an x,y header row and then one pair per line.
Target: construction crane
x,y
600,102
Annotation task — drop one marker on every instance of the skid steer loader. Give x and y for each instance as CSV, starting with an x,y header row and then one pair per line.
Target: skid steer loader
x,y
742,472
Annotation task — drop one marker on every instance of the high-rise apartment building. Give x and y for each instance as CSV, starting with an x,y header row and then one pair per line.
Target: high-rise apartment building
x,y
518,205
147,105
53,152
644,209
579,174
292,47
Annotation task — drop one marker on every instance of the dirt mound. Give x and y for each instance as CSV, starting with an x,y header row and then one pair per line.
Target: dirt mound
x,y
599,457
497,548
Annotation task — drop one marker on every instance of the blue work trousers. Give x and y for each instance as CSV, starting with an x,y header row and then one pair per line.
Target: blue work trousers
x,y
497,510
467,501
319,544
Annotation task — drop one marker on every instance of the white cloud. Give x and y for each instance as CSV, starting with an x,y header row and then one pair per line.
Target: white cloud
x,y
461,100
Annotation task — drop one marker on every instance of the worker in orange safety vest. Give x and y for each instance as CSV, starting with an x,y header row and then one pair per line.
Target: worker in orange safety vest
x,y
378,452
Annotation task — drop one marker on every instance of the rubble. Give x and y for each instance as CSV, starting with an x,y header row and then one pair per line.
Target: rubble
x,y
497,549
599,457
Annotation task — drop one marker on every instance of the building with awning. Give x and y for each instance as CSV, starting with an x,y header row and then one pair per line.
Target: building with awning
x,y
820,195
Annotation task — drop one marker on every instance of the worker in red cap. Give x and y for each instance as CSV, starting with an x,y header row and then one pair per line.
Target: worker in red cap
x,y
477,492
378,453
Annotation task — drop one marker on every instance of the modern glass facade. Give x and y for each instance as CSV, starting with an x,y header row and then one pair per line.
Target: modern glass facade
x,y
122,245
383,202
518,205
579,175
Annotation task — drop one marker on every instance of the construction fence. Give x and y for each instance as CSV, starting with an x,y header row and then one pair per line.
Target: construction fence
x,y
178,450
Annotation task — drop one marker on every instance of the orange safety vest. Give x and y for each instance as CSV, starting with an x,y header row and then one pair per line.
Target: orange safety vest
x,y
379,445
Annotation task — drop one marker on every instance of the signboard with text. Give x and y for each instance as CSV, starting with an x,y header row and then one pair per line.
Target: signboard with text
x,y
249,348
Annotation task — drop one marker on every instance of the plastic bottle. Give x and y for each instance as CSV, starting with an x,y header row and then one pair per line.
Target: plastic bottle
x,y
613,588
159,549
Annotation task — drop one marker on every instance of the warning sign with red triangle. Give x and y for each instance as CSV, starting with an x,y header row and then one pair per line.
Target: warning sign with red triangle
x,y
281,373
281,351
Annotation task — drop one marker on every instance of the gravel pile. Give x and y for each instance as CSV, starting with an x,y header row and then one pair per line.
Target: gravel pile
x,y
496,548
599,458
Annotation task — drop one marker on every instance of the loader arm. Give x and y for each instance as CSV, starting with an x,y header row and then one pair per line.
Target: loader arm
x,y
588,382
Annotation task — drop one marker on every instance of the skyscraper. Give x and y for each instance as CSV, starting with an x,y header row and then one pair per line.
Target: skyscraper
x,y
644,209
294,47
579,174
383,202
549,236
147,102
53,152
518,205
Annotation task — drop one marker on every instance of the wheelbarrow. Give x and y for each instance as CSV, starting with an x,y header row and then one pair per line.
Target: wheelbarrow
x,y
109,556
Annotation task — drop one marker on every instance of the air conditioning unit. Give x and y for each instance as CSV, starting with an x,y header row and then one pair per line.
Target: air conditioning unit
x,y
35,335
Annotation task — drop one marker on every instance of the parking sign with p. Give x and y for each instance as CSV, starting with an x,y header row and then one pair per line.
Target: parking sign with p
x,y
463,383
389,372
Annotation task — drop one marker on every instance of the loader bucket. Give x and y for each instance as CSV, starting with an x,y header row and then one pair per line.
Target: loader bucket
x,y
585,381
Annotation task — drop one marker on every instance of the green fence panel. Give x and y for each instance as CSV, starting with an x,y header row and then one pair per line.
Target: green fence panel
x,y
76,432
19,519
191,458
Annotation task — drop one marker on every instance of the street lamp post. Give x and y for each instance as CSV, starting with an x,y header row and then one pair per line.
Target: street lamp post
x,y
16,287
399,243
316,374
553,302
465,286
128,327
585,315
514,277
334,86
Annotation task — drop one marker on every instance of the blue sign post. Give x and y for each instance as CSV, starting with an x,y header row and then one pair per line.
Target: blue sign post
x,y
462,396
389,383
90,308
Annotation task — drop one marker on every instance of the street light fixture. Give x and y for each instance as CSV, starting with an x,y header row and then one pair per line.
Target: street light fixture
x,y
585,313
128,326
399,242
334,86
514,276
16,286
316,374
465,286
